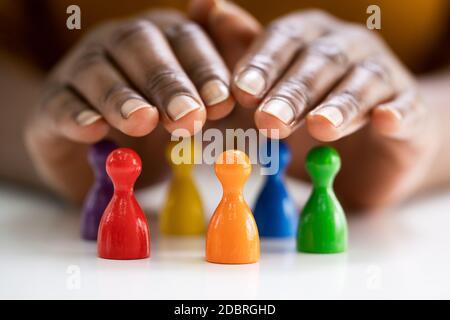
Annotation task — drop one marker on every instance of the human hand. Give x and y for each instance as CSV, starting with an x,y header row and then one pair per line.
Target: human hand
x,y
120,81
317,79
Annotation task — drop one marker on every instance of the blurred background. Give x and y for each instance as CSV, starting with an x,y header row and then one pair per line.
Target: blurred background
x,y
36,29
33,36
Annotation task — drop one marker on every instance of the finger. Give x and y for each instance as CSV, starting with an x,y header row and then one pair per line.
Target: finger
x,y
146,58
272,52
63,113
323,63
400,118
346,109
57,139
232,28
199,59
105,89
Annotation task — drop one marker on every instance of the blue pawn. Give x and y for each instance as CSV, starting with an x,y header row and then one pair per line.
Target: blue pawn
x,y
101,191
275,212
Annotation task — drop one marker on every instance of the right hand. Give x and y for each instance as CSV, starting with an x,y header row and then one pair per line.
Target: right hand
x,y
119,82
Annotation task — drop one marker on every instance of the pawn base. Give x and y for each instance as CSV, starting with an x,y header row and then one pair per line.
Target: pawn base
x,y
232,261
122,256
321,248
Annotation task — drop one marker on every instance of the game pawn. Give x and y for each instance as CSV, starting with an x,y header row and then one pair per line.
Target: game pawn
x,y
322,225
232,236
123,233
182,213
101,191
275,212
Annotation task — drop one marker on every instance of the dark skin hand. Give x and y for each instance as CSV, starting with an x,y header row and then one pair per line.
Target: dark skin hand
x,y
320,80
122,81
313,78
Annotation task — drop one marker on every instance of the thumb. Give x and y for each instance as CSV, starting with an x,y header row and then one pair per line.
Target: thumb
x,y
232,28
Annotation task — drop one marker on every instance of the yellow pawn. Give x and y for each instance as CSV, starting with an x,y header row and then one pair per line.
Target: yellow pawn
x,y
183,211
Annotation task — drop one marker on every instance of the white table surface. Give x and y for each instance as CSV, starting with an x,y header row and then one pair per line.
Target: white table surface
x,y
402,252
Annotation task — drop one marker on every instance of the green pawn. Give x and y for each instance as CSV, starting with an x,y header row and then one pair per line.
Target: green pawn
x,y
322,226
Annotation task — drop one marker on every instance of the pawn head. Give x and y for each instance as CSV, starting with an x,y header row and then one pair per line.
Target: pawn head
x,y
98,153
233,168
322,164
123,166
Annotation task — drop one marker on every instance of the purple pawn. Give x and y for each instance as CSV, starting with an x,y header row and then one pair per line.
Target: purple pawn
x,y
101,191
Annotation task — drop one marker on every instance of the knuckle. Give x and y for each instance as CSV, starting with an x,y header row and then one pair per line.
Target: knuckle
x,y
316,15
350,102
184,30
269,60
295,27
117,95
163,82
164,16
296,91
91,58
134,30
301,26
330,50
269,57
203,62
201,71
377,68
264,63
359,32
284,26
269,63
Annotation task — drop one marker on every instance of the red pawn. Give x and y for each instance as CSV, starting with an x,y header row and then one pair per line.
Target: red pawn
x,y
123,233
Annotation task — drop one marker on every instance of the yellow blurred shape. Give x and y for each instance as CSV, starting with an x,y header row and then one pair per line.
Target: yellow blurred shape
x,y
182,213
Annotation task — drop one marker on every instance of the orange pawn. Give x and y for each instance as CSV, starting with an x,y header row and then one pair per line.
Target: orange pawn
x,y
232,236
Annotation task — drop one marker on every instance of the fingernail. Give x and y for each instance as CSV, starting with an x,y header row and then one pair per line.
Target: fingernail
x,y
131,106
214,92
280,109
87,117
218,7
251,81
332,114
391,110
218,3
180,106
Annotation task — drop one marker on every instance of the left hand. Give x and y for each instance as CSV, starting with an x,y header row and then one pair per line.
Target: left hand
x,y
348,88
